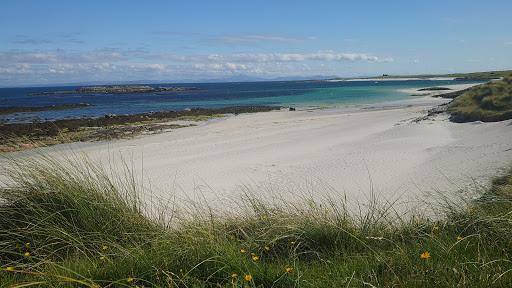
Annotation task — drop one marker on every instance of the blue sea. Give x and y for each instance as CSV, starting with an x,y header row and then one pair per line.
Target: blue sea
x,y
211,95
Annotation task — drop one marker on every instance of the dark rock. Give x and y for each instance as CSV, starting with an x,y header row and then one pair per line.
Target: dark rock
x,y
434,89
452,95
34,129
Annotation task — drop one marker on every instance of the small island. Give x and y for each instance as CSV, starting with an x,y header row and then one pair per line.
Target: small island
x,y
119,89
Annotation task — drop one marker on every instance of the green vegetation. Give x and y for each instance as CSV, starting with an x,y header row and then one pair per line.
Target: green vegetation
x,y
489,75
479,76
73,224
487,102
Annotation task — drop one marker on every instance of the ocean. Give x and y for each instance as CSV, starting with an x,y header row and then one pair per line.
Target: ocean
x,y
210,95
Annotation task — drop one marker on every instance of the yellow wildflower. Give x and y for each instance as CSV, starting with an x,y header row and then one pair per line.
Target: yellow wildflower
x,y
130,279
243,250
425,255
459,238
288,269
10,268
104,247
26,254
248,277
234,275
255,258
27,244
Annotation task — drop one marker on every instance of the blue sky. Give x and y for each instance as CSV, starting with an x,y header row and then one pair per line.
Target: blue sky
x,y
78,41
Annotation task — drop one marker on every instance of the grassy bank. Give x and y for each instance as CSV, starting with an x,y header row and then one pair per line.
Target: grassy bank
x,y
487,102
73,224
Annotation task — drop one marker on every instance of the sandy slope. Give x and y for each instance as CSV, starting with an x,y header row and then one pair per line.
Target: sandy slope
x,y
342,151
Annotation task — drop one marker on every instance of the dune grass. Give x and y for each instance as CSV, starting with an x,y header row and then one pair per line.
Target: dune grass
x,y
73,224
488,102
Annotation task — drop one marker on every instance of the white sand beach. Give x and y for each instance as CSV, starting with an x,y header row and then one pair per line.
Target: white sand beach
x,y
341,152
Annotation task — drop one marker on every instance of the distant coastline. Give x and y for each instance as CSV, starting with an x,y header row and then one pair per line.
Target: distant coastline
x,y
473,76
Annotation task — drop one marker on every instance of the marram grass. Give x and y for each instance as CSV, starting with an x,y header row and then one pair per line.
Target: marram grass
x,y
488,102
73,224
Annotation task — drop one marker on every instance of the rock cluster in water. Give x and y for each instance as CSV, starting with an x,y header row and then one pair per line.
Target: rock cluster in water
x,y
120,89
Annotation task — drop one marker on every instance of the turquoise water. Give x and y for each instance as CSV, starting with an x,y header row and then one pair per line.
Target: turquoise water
x,y
211,95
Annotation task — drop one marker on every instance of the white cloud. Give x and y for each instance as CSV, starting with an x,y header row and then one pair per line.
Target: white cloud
x,y
23,67
118,55
15,69
295,57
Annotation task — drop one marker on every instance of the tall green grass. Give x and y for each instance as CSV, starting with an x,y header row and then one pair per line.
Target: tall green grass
x,y
488,102
74,224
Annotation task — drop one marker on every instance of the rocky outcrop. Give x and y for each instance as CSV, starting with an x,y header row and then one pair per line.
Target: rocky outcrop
x,y
434,89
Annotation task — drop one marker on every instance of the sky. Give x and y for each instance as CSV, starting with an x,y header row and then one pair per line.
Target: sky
x,y
53,42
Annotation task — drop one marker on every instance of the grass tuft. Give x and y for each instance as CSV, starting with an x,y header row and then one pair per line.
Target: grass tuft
x,y
74,224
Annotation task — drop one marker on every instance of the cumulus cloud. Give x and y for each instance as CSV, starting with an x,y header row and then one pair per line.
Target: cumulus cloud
x,y
50,66
116,55
298,57
328,56
219,67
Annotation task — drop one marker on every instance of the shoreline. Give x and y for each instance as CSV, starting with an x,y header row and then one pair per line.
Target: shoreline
x,y
21,136
17,136
391,79
352,153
